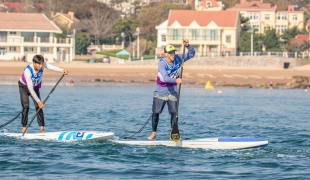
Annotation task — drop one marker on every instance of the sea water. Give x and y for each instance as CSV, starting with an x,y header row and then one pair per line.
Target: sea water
x,y
280,115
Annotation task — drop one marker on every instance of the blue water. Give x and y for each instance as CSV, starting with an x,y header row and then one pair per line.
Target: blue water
x,y
280,115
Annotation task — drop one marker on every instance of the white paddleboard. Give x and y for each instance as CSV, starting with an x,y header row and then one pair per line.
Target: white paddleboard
x,y
205,143
63,135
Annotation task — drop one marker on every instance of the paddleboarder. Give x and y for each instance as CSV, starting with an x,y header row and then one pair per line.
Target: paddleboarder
x,y
167,80
29,85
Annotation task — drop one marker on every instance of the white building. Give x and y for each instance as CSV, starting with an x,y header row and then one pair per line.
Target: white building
x,y
161,36
28,34
209,5
209,32
263,16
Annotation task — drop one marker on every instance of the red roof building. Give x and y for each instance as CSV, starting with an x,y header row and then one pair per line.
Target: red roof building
x,y
263,16
17,6
204,18
253,5
28,34
209,32
35,22
300,39
210,5
63,19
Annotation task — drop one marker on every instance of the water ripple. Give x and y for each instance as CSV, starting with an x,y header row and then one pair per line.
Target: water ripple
x,y
279,115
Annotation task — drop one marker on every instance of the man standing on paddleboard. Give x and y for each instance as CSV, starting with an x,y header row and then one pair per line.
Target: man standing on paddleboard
x,y
167,80
29,85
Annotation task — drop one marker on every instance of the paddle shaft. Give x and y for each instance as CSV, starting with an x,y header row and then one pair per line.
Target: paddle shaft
x,y
181,73
175,132
44,102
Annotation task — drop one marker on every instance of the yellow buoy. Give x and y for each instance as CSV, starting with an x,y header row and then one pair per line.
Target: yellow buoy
x,y
209,86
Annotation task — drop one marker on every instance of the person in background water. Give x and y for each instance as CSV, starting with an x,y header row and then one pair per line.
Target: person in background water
x,y
71,82
270,84
167,81
29,85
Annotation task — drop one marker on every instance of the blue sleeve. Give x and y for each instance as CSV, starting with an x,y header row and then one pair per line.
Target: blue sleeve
x,y
190,54
162,73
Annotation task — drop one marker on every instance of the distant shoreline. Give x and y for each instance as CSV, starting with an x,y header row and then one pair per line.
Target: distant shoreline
x,y
86,74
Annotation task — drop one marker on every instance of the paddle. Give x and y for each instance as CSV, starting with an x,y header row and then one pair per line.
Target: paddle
x,y
175,135
43,103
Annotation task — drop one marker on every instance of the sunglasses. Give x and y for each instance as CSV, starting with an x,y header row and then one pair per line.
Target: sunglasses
x,y
173,52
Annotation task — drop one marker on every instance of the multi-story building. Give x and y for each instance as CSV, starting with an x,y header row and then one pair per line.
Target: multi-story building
x,y
27,34
209,5
66,20
210,32
263,16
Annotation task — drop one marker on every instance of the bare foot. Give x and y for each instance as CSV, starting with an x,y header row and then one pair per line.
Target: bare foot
x,y
152,136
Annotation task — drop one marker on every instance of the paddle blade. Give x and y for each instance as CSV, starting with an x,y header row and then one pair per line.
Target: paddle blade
x,y
175,135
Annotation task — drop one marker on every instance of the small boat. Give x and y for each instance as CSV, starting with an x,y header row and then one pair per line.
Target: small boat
x,y
224,143
63,135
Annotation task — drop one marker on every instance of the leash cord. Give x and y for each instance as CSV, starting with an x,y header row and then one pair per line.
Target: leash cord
x,y
140,129
10,120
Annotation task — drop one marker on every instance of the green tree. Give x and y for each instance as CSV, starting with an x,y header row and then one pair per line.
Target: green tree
x,y
82,41
65,31
128,26
271,41
245,42
147,47
290,34
244,21
305,46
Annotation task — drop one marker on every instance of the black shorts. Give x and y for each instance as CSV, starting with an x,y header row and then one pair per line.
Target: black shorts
x,y
159,104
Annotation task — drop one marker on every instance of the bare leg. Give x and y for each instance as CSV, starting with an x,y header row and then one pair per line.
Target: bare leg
x,y
24,130
42,129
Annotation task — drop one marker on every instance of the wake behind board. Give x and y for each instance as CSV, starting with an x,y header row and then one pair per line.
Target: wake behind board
x,y
63,136
205,143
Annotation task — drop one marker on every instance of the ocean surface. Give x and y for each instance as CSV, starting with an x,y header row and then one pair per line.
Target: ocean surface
x,y
280,115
